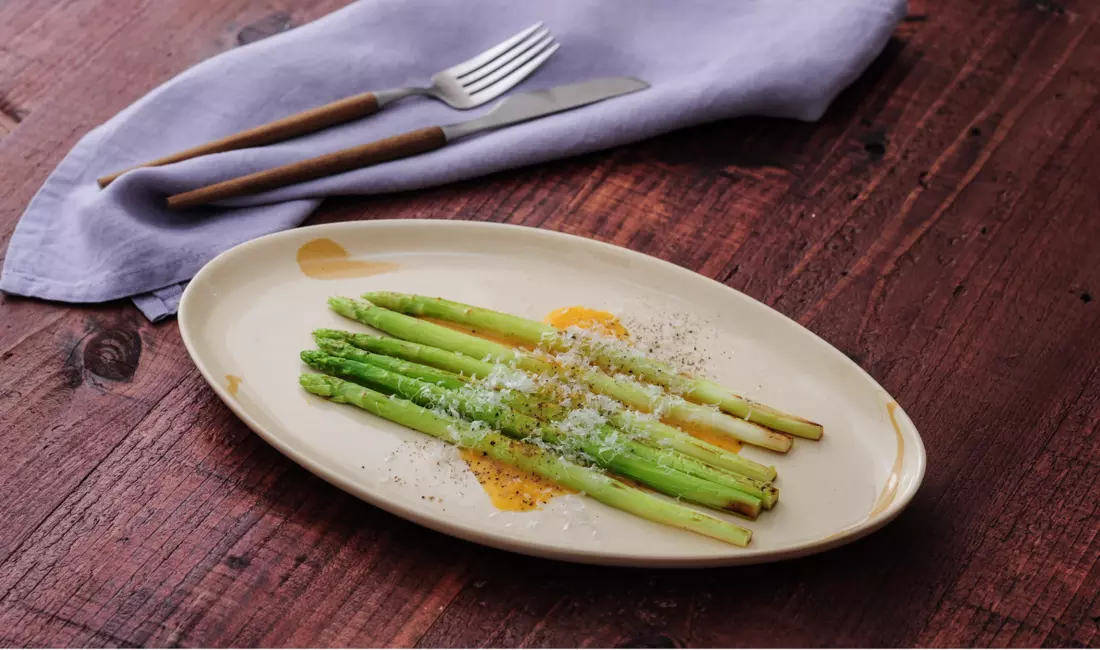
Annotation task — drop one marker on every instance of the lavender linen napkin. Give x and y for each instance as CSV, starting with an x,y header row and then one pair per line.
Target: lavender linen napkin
x,y
705,59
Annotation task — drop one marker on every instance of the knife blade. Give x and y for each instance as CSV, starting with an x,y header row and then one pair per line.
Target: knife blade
x,y
538,103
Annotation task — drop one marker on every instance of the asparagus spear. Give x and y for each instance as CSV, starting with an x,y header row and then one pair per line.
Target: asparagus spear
x,y
418,331
522,403
655,432
453,362
340,348
659,433
597,442
527,457
630,393
672,438
634,393
535,333
767,494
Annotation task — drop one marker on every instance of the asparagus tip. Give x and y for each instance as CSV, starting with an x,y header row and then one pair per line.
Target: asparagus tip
x,y
343,306
328,344
316,384
325,333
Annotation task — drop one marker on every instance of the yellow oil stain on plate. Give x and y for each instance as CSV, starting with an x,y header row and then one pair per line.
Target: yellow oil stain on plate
x,y
603,322
890,490
716,439
509,487
324,259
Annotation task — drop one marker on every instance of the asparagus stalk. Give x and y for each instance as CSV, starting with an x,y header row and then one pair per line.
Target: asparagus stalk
x,y
767,494
339,348
682,412
659,433
669,437
657,452
532,332
630,393
597,442
528,457
453,362
418,331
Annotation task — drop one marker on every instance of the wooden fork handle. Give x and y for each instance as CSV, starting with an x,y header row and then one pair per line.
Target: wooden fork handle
x,y
315,119
392,148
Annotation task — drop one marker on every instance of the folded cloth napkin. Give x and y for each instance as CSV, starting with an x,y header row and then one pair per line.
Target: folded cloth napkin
x,y
705,60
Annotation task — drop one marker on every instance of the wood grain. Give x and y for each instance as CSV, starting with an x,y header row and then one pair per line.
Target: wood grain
x,y
939,226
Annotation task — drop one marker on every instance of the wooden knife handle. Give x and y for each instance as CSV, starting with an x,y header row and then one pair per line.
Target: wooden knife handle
x,y
315,119
392,148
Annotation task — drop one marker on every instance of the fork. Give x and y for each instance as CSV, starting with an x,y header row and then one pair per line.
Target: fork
x,y
464,86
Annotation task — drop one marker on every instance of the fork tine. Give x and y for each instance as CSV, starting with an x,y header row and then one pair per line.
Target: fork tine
x,y
514,78
491,53
503,59
508,68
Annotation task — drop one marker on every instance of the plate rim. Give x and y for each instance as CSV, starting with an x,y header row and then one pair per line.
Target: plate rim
x,y
439,524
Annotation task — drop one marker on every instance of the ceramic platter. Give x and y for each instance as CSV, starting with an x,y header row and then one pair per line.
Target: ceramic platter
x,y
248,313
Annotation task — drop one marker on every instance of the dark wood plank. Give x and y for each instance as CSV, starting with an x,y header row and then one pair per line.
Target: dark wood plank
x,y
63,71
41,59
938,225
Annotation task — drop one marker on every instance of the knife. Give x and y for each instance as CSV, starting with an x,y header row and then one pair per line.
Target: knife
x,y
513,110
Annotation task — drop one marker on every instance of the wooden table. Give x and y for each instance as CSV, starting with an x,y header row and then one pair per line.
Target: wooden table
x,y
941,226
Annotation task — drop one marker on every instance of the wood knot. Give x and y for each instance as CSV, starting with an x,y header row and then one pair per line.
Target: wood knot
x,y
237,562
1043,6
269,25
113,354
652,641
874,143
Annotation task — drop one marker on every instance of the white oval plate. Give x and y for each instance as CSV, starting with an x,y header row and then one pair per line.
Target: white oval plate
x,y
249,312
